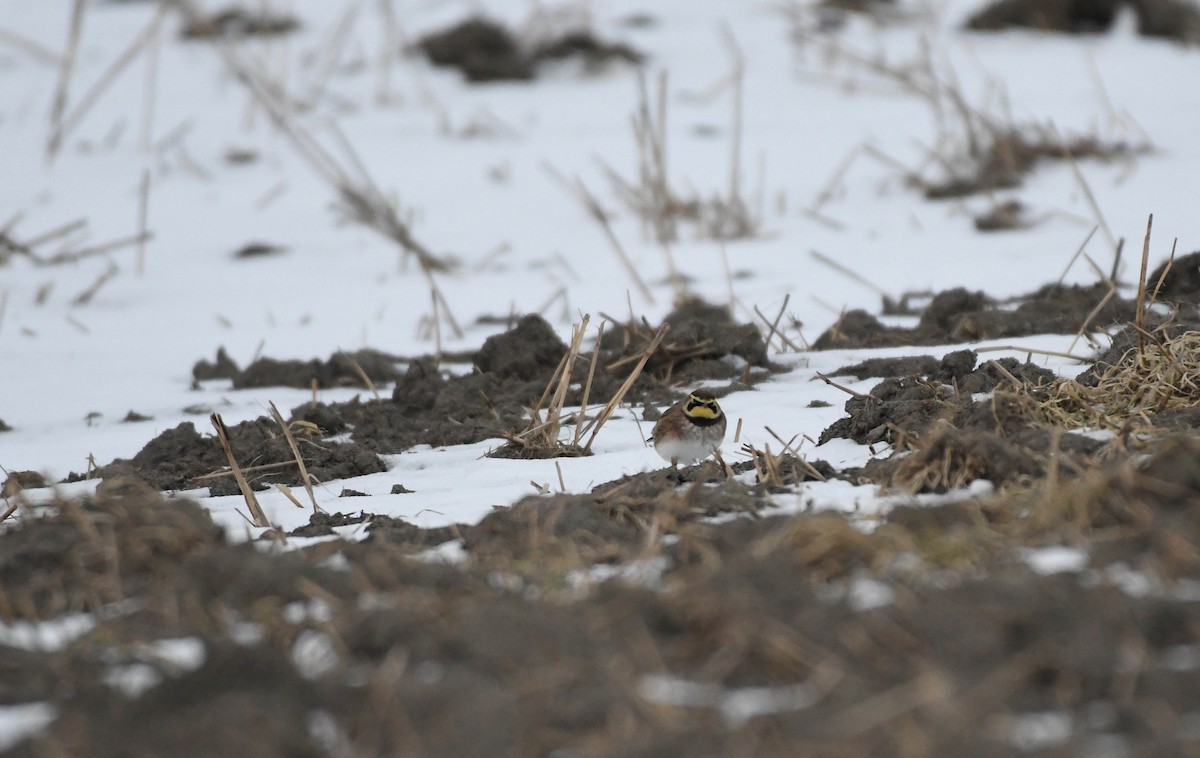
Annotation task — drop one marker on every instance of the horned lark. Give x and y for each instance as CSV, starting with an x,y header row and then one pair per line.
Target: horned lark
x,y
691,430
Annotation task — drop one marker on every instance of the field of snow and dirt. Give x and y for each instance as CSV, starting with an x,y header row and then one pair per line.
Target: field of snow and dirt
x,y
901,241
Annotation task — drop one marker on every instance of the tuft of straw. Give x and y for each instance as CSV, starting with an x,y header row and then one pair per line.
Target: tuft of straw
x,y
257,516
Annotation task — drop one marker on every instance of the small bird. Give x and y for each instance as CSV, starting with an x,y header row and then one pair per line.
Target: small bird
x,y
691,430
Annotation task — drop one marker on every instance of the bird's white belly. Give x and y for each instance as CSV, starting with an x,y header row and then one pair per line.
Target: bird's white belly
x,y
684,451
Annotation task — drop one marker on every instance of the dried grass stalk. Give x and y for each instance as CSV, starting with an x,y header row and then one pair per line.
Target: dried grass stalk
x,y
1164,374
291,440
626,385
540,438
257,517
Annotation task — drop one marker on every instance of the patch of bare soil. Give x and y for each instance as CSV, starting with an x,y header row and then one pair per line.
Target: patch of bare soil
x,y
959,315
782,635
911,405
1144,387
1006,157
1174,19
16,481
433,407
340,370
513,369
1006,216
181,458
856,6
758,633
486,51
1179,278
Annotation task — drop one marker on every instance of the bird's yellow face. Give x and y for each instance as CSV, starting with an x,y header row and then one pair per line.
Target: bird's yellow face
x,y
702,409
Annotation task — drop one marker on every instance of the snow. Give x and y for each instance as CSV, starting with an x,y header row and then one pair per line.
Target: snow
x,y
735,704
1039,730
1056,559
314,654
865,594
24,720
134,674
55,634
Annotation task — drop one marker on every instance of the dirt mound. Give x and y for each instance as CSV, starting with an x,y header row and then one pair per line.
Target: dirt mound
x,y
17,481
486,51
1070,16
910,406
179,457
958,315
223,367
891,367
513,369
950,459
64,562
1180,279
530,350
1174,19
759,635
340,370
701,334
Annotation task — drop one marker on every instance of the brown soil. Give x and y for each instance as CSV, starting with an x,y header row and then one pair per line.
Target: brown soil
x,y
429,406
959,315
486,51
909,406
1174,19
177,458
1180,280
394,656
763,634
340,370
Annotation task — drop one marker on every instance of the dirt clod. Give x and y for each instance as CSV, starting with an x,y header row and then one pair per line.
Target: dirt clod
x,y
1180,279
486,51
177,458
528,351
1174,19
958,315
341,370
223,367
21,480
950,459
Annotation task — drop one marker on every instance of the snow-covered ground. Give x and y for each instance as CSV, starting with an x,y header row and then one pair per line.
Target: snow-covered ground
x,y
472,167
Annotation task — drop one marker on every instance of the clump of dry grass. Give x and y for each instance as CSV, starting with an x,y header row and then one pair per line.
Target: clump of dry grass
x,y
358,198
540,439
950,459
781,470
1139,509
1003,154
977,147
1164,374
662,208
825,547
